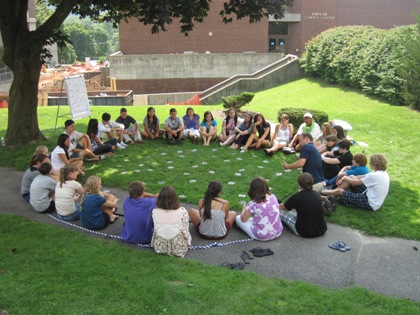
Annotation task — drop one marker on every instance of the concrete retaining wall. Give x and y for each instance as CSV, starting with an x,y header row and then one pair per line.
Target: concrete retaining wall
x,y
144,67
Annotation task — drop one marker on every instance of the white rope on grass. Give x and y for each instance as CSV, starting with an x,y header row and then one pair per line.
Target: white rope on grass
x,y
215,244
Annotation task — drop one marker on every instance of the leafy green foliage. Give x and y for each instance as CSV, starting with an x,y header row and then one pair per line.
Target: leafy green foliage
x,y
237,101
296,116
409,67
359,56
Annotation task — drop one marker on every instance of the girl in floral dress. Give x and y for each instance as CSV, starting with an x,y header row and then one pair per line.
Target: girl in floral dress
x,y
171,235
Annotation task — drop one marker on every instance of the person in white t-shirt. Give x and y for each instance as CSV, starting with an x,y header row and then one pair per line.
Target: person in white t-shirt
x,y
107,128
60,155
67,194
42,190
308,126
83,147
366,191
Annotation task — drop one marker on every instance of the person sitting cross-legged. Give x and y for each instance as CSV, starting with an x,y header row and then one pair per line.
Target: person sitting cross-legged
x,y
213,219
174,127
138,222
368,191
307,219
131,127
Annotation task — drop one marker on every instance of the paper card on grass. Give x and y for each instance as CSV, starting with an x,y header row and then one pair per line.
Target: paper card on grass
x,y
170,167
182,196
186,173
137,171
260,166
169,162
163,153
279,174
226,161
194,166
238,174
161,182
265,161
141,164
192,180
123,173
194,150
212,172
241,196
150,170
179,151
241,170
287,171
204,163
231,183
239,159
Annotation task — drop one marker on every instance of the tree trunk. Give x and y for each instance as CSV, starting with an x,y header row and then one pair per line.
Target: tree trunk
x,y
23,118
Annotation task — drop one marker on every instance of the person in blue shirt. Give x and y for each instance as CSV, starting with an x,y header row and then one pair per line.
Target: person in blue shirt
x,y
358,167
208,128
192,125
97,207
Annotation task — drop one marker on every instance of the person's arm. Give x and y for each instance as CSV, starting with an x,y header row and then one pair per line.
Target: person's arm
x,y
353,180
181,126
245,214
329,160
266,132
299,163
290,126
276,132
282,207
291,144
146,194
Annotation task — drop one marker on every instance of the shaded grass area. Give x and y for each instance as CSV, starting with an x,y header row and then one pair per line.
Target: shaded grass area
x,y
49,270
386,129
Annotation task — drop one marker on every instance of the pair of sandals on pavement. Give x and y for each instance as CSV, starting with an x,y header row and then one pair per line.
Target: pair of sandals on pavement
x,y
246,256
339,245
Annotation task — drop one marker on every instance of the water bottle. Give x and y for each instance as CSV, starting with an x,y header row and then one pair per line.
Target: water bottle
x,y
3,143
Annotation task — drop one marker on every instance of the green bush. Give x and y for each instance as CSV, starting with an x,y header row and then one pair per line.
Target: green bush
x,y
296,116
237,101
359,56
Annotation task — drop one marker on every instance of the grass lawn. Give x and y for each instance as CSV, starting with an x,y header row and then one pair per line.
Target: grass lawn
x,y
386,129
48,270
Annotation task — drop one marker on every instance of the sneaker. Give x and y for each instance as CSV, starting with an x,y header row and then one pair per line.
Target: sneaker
x,y
244,150
172,141
119,146
123,144
103,156
180,140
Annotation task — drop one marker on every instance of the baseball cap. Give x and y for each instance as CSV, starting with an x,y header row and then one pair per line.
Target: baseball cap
x,y
307,115
123,110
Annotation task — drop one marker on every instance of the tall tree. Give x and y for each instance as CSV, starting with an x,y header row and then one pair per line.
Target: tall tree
x,y
24,50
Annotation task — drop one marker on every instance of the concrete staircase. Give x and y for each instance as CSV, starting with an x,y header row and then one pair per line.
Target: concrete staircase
x,y
284,70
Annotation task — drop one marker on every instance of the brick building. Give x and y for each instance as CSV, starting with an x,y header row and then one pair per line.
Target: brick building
x,y
154,63
303,21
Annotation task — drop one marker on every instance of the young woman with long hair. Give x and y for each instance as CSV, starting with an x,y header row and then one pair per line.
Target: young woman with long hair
x,y
213,219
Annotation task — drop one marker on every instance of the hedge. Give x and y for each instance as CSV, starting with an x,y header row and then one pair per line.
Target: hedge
x,y
296,116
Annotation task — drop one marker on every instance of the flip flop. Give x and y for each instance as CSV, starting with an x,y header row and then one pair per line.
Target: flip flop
x,y
344,245
337,246
233,266
245,258
248,253
261,252
116,218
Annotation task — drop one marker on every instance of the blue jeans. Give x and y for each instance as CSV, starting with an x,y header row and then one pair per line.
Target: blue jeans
x,y
71,217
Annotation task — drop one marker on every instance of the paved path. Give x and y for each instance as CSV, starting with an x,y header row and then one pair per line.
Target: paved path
x,y
385,265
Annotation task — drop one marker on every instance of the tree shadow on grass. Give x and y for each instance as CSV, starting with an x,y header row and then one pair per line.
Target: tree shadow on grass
x,y
399,216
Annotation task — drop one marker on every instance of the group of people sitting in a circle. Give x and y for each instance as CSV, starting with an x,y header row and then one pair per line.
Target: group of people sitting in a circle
x,y
328,170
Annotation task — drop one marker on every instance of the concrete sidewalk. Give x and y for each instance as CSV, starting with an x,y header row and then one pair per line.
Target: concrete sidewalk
x,y
385,265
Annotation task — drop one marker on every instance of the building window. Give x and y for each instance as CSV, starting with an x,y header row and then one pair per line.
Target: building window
x,y
278,28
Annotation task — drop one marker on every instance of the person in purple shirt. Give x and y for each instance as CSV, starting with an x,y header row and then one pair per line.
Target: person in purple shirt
x,y
138,222
260,217
192,125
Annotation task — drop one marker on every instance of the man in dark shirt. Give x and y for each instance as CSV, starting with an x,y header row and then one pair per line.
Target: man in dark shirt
x,y
311,162
131,127
308,218
334,161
